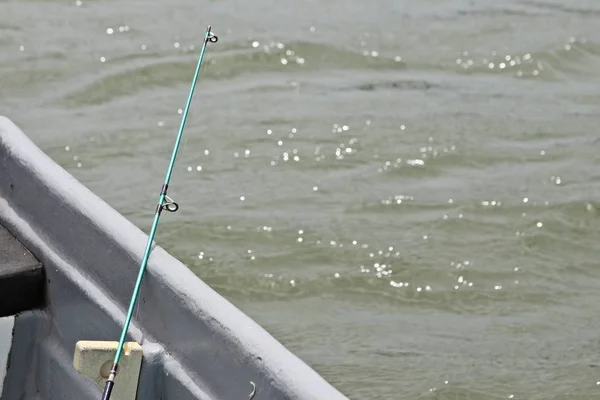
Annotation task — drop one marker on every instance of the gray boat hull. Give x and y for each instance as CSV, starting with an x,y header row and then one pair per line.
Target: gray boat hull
x,y
196,344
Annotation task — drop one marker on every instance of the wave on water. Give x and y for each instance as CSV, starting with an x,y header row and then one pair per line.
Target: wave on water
x,y
131,74
579,57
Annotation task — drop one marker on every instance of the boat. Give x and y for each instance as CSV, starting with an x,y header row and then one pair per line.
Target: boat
x,y
81,259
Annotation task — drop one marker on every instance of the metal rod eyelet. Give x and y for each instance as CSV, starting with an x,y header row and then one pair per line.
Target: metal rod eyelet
x,y
172,207
169,204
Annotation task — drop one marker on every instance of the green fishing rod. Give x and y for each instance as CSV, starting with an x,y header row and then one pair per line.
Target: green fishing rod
x,y
164,203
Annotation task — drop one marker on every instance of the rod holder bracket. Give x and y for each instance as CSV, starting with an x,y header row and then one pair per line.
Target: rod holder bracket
x,y
94,359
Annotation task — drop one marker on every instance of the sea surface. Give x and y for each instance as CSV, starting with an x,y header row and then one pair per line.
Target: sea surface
x,y
404,193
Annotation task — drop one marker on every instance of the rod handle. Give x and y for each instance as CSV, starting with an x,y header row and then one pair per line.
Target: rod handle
x,y
107,390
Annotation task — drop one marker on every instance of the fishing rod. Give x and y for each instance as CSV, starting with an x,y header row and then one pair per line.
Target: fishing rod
x,y
164,203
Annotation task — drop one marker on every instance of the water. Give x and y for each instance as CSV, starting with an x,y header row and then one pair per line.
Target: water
x,y
403,193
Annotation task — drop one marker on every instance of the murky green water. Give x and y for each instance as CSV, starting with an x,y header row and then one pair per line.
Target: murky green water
x,y
403,193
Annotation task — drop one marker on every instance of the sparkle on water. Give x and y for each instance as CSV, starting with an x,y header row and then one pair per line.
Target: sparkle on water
x,y
373,263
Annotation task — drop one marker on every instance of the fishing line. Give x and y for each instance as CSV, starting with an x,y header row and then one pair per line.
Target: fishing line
x,y
164,203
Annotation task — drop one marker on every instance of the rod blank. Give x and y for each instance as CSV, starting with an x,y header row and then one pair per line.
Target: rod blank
x,y
164,203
